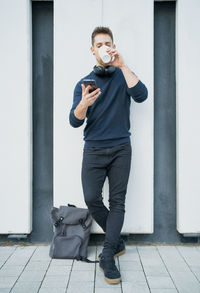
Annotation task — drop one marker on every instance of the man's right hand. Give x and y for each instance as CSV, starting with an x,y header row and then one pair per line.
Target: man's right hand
x,y
89,98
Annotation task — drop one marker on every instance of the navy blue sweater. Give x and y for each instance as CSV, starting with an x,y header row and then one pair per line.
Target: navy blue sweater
x,y
108,121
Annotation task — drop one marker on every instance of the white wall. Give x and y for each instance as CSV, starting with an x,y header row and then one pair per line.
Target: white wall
x,y
132,26
15,117
188,117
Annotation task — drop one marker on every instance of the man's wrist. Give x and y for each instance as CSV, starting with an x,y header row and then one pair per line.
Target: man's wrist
x,y
83,105
123,66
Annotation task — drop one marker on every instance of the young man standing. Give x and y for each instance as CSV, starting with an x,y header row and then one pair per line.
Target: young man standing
x,y
107,149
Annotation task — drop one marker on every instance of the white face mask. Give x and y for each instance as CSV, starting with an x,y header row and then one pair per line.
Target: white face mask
x,y
106,58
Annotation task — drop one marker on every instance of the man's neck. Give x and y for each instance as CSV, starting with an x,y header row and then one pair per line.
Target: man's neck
x,y
98,64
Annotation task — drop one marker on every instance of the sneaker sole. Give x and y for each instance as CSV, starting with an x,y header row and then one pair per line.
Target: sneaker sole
x,y
116,255
110,281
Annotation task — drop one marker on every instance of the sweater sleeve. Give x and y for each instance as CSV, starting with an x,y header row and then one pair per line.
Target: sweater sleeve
x,y
73,120
139,92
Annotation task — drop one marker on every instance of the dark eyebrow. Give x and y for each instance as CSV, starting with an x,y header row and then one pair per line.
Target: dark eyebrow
x,y
101,43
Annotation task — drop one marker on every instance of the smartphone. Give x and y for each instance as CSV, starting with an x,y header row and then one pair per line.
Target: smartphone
x,y
91,82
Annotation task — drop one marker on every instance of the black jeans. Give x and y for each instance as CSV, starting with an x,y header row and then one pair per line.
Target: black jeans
x,y
115,163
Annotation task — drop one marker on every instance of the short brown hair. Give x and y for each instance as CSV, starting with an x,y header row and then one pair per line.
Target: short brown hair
x,y
101,30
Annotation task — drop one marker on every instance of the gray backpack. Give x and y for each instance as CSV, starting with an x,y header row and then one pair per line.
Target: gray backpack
x,y
71,233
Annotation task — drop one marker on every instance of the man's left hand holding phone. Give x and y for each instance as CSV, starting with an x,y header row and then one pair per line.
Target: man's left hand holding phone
x,y
90,93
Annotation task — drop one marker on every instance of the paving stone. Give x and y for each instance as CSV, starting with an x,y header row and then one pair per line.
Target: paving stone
x,y
164,291
133,276
81,265
11,271
26,287
82,276
58,270
190,254
7,282
62,262
108,290
53,290
4,290
160,282
130,265
37,265
31,276
186,282
183,278
2,263
156,270
80,287
131,287
165,267
55,281
17,261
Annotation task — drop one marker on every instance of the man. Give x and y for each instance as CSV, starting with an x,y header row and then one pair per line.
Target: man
x,y
107,149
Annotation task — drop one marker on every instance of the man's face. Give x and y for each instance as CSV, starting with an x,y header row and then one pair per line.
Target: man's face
x,y
100,40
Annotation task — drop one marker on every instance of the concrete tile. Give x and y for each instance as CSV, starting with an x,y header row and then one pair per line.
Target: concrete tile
x,y
156,270
190,254
9,247
186,282
24,252
108,290
133,276
80,287
62,262
196,271
57,270
160,282
41,253
37,265
129,256
81,266
2,263
55,281
31,276
7,282
172,259
5,256
26,287
4,290
82,276
52,290
17,261
11,271
130,287
164,291
133,265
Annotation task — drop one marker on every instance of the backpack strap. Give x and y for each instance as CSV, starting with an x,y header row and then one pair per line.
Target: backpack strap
x,y
86,259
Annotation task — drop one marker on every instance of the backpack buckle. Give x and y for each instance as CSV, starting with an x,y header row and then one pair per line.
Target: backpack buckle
x,y
81,221
58,221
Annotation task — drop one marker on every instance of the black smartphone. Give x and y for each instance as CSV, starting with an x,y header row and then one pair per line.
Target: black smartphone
x,y
91,82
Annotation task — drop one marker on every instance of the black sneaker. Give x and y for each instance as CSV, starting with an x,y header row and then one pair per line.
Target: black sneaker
x,y
121,249
108,267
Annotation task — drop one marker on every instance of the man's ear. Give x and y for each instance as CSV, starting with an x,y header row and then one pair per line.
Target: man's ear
x,y
114,46
92,50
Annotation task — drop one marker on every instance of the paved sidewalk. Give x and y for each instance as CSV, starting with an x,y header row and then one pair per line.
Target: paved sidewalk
x,y
144,269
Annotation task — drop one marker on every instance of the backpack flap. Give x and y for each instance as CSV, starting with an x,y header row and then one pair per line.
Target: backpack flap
x,y
70,215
